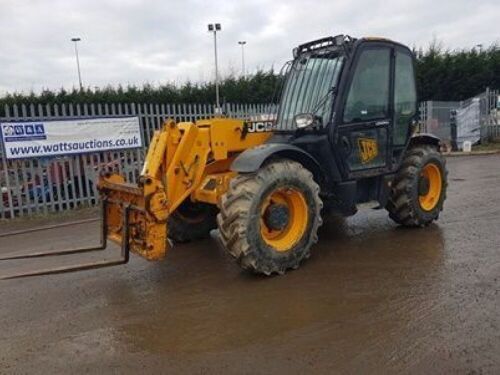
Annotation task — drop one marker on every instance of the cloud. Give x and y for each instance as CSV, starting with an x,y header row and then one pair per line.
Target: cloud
x,y
132,41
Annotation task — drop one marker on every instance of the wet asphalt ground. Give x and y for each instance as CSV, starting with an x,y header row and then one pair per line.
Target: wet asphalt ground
x,y
373,298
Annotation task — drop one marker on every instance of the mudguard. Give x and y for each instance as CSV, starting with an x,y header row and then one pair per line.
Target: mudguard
x,y
425,138
252,159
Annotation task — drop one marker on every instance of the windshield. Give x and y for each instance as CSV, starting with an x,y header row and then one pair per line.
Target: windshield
x,y
309,80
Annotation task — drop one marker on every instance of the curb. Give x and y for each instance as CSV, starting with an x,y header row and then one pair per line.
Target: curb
x,y
47,227
472,153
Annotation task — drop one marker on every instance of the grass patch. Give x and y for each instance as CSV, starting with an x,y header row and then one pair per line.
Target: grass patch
x,y
53,217
491,146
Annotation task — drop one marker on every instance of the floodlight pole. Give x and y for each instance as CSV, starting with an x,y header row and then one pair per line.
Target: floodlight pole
x,y
76,40
214,28
242,44
217,98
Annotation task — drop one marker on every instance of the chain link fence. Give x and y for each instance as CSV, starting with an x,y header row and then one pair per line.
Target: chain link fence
x,y
475,119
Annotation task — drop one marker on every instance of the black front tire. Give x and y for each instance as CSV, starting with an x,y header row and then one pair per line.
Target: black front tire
x,y
240,217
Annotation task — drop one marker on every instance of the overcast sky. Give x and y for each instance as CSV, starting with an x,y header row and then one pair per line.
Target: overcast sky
x,y
133,41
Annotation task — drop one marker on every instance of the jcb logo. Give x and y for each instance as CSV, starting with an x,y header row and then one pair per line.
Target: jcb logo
x,y
368,149
260,126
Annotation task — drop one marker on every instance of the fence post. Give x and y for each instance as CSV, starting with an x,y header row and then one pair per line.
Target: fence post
x,y
10,201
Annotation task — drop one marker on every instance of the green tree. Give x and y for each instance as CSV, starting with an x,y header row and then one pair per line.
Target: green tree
x,y
441,75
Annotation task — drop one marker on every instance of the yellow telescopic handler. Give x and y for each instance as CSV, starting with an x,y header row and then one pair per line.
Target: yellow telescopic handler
x,y
344,134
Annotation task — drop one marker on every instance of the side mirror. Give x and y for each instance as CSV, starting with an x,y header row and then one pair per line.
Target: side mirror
x,y
303,120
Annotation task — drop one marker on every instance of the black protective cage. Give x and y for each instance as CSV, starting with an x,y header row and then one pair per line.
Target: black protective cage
x,y
327,47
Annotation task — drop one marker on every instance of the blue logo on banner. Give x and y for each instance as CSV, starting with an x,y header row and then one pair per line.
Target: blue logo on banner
x,y
23,132
19,129
29,129
39,129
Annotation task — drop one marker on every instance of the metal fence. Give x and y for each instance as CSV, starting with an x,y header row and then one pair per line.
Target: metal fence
x,y
477,118
435,118
42,185
490,112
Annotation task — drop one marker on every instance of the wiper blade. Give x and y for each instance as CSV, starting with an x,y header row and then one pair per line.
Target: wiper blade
x,y
322,101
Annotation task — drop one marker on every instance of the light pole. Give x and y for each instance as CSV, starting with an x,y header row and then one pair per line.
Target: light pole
x,y
480,46
242,44
214,27
76,40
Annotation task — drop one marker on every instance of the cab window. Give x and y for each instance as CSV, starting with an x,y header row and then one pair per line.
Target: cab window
x,y
368,96
405,97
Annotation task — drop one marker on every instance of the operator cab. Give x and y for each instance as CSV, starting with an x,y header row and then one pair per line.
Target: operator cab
x,y
359,93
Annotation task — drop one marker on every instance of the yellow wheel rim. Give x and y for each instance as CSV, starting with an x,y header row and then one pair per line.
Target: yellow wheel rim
x,y
294,203
429,200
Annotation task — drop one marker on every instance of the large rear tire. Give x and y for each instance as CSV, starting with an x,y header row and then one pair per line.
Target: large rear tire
x,y
419,188
269,220
192,221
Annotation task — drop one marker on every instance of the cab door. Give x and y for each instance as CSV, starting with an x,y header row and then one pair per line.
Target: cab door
x,y
365,123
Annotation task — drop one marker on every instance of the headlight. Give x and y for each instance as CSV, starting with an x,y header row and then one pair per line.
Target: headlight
x,y
303,120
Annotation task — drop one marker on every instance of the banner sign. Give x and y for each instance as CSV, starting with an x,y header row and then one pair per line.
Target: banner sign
x,y
469,123
75,136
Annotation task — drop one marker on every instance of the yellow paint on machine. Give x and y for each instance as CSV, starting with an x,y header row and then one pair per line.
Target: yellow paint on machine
x,y
184,161
368,149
